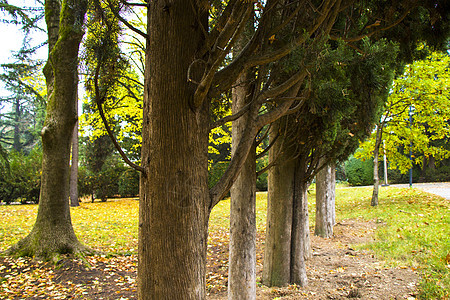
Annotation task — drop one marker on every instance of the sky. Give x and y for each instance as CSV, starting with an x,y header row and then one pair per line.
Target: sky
x,y
11,38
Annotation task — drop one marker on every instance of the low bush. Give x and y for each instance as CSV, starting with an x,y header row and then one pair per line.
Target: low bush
x,y
359,172
20,180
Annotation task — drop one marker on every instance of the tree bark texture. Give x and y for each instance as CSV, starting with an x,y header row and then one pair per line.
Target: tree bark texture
x,y
376,178
300,240
284,255
325,201
53,232
174,200
242,259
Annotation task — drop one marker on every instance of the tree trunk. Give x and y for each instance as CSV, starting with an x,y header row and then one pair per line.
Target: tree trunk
x,y
300,240
376,178
174,203
17,118
73,185
277,252
325,195
242,258
53,232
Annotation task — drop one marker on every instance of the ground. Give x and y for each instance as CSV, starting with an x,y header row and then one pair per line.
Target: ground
x,y
337,270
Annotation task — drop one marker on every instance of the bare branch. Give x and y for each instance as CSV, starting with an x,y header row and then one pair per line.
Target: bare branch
x,y
125,22
230,118
217,57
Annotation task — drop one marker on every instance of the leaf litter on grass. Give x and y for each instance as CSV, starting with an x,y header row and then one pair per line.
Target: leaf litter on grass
x,y
111,227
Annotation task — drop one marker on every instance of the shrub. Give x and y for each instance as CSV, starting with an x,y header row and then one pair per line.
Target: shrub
x,y
21,181
359,172
129,183
441,174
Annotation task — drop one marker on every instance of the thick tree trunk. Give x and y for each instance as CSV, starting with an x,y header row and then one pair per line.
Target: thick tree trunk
x,y
53,232
277,253
300,240
325,201
73,185
174,200
242,259
376,178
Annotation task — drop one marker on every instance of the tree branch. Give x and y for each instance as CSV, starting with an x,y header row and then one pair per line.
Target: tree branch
x,y
230,118
98,100
125,22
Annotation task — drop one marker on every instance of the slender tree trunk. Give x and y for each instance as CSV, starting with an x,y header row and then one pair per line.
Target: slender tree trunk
x,y
53,232
74,169
300,240
325,195
376,178
242,259
174,203
16,141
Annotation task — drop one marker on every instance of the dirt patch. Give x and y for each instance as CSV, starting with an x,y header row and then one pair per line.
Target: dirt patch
x,y
336,271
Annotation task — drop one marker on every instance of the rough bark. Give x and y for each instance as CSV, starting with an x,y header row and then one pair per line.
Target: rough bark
x,y
242,259
53,232
376,178
174,200
300,240
325,195
277,253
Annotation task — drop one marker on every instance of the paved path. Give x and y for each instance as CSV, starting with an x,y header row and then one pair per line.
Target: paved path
x,y
438,188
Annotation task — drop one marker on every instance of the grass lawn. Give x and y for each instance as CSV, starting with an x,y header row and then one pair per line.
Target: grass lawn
x,y
414,228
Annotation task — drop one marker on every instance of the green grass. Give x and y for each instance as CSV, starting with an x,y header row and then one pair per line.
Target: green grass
x,y
414,228
414,231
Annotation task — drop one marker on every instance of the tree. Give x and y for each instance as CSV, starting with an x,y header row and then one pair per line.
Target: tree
x,y
422,86
187,67
52,232
19,127
346,91
325,201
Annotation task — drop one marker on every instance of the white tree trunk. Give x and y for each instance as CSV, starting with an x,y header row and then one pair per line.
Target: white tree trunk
x,y
242,260
325,201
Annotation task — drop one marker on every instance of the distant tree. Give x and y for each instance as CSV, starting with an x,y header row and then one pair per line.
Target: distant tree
x,y
20,125
422,90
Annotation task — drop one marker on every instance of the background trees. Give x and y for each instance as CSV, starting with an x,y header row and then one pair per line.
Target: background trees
x,y
422,92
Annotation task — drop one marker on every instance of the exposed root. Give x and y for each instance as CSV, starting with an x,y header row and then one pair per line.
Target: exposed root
x,y
49,249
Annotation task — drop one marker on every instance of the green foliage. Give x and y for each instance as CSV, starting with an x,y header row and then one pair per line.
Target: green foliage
x,y
21,180
441,174
424,88
129,183
359,172
216,171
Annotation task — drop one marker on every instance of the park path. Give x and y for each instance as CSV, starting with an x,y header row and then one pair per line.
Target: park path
x,y
437,188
